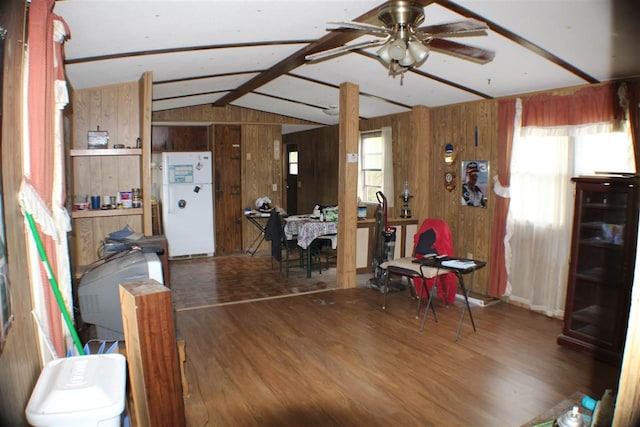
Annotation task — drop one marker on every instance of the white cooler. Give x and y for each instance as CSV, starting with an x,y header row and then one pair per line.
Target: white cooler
x,y
79,391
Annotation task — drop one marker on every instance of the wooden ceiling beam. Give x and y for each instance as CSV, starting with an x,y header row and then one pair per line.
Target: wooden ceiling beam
x,y
328,41
518,39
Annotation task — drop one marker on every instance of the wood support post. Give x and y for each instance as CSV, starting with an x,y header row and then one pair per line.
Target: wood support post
x,y
152,355
347,185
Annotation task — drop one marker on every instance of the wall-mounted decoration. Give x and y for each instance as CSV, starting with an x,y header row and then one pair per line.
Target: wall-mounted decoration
x,y
450,181
449,154
475,180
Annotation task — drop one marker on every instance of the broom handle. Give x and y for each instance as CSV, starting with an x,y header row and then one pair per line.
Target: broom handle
x,y
54,284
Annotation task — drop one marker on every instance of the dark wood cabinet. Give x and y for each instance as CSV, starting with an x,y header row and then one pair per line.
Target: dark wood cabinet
x,y
601,267
180,138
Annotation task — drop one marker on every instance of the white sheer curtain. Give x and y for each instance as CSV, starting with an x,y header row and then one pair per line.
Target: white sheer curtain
x,y
541,209
388,186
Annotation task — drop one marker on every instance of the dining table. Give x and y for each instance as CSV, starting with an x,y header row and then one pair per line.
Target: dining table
x,y
306,229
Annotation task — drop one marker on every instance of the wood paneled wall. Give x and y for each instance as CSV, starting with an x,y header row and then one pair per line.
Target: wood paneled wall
x,y
115,109
19,361
403,153
470,226
261,151
419,138
262,163
317,167
228,114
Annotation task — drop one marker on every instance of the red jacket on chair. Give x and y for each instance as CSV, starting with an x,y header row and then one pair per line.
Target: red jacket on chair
x,y
443,245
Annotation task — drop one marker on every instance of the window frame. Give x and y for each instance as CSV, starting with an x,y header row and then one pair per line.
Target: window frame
x,y
363,185
386,167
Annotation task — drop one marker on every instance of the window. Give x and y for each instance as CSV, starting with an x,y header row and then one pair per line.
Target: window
x,y
375,166
371,170
293,163
541,208
612,152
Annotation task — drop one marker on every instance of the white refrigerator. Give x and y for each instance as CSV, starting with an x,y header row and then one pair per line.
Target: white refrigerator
x,y
187,203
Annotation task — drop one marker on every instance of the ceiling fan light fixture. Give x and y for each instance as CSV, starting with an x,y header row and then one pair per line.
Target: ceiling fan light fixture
x,y
383,54
419,51
397,49
408,59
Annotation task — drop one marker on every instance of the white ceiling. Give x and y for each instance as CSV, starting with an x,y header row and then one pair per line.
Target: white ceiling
x,y
200,52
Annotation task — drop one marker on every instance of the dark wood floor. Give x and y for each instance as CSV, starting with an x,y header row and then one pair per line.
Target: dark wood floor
x,y
204,282
335,358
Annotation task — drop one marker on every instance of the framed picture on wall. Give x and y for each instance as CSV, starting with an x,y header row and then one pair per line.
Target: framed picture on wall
x,y
475,183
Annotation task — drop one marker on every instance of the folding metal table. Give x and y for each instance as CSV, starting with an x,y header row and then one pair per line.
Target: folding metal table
x,y
255,219
461,267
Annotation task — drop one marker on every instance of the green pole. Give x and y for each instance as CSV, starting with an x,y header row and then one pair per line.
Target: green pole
x,y
54,283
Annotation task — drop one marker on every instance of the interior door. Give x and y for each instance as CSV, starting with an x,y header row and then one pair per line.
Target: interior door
x,y
228,201
291,165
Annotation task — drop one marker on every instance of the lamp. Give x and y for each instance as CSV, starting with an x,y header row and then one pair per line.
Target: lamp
x,y
405,212
397,49
418,51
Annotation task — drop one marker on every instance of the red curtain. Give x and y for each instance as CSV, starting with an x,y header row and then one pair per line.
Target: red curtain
x,y
592,104
497,269
41,104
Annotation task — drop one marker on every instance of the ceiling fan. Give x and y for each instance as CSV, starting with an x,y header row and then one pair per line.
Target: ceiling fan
x,y
405,44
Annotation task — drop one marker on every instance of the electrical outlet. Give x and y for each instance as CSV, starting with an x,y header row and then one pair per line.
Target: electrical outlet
x,y
274,187
469,255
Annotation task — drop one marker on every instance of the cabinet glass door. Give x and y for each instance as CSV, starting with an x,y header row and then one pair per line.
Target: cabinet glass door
x,y
599,269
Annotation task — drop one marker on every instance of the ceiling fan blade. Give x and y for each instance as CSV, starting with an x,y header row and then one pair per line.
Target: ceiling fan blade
x,y
361,26
464,28
343,49
462,51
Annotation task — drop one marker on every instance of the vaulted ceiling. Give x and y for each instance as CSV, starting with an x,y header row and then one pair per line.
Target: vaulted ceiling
x,y
251,54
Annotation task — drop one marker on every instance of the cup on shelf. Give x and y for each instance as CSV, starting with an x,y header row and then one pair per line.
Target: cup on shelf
x,y
95,202
81,202
108,202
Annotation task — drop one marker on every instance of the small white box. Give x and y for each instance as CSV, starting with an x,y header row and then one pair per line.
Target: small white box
x,y
79,391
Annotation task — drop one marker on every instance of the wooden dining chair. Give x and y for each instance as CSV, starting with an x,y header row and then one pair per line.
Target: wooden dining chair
x,y
287,251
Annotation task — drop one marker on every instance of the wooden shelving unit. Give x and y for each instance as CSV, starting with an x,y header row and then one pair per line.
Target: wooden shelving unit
x,y
98,213
106,152
124,110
